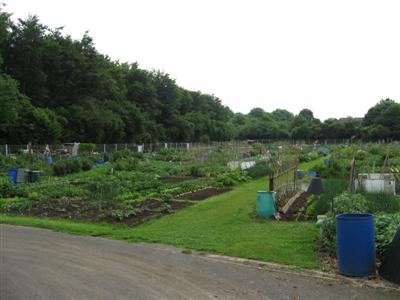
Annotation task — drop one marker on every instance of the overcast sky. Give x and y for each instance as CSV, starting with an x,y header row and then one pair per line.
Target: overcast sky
x,y
337,58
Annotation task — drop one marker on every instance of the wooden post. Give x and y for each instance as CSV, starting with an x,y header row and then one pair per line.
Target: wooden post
x,y
353,164
271,182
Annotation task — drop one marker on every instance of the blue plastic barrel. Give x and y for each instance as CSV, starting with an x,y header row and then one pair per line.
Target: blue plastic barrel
x,y
355,244
312,173
12,173
265,206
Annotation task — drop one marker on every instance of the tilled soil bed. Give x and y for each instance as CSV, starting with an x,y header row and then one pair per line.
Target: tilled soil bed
x,y
204,193
80,209
298,204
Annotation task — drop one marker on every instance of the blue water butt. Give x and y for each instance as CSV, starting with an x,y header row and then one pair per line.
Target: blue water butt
x,y
49,160
312,173
12,173
265,206
355,244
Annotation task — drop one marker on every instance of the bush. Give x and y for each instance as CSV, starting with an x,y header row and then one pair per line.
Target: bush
x,y
322,204
86,164
6,187
342,204
333,169
86,148
72,165
347,203
307,157
17,205
231,178
168,154
124,213
197,171
382,202
259,170
125,164
120,155
103,191
386,226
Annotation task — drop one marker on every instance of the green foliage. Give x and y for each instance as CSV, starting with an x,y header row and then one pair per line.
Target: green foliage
x,y
307,157
124,213
382,202
232,178
121,154
103,191
350,203
197,171
127,164
71,165
6,187
386,226
85,148
321,204
16,205
168,154
334,168
49,190
259,170
54,88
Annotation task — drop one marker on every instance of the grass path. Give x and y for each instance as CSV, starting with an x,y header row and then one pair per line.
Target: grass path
x,y
222,224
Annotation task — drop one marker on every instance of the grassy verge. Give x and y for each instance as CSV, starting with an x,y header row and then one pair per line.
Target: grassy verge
x,y
222,224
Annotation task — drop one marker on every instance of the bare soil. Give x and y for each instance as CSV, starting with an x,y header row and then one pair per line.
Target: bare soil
x,y
298,204
81,209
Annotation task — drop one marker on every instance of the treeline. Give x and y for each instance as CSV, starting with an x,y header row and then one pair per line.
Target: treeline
x,y
54,88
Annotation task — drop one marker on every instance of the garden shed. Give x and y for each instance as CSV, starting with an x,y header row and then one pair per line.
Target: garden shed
x,y
376,183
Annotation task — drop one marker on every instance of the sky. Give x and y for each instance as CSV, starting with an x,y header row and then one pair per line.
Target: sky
x,y
337,58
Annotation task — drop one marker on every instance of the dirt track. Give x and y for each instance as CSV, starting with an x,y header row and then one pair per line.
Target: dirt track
x,y
41,264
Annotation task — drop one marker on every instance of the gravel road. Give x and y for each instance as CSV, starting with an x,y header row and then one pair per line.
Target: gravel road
x,y
42,264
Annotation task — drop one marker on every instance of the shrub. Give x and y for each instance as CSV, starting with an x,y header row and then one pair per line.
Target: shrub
x,y
72,165
350,203
259,170
168,154
124,213
333,169
322,204
386,226
6,187
18,205
86,148
120,155
307,157
231,178
86,164
103,191
125,164
197,171
382,202
342,204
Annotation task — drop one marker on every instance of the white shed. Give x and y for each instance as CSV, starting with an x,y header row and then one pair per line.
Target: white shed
x,y
376,183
